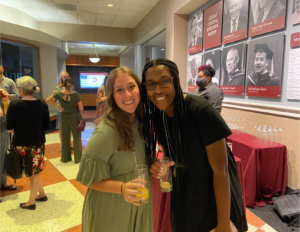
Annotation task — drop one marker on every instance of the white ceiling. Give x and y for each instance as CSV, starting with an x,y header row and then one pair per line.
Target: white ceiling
x,y
124,13
101,49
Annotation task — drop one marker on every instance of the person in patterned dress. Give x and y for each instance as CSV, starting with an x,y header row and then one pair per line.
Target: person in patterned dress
x,y
101,99
28,118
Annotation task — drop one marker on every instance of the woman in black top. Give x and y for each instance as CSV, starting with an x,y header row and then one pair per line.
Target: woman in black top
x,y
28,119
206,191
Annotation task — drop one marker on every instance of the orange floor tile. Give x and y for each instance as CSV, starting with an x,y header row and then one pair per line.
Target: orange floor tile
x,y
74,229
254,220
49,176
81,188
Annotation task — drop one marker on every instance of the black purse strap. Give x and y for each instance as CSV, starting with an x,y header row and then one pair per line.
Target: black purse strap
x,y
78,112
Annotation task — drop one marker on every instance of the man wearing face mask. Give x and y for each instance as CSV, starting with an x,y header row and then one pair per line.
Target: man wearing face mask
x,y
207,89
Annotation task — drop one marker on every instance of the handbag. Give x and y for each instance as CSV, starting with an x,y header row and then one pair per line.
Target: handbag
x,y
80,123
12,163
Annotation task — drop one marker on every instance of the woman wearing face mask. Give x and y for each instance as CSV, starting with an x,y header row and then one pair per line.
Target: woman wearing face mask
x,y
206,193
207,89
110,157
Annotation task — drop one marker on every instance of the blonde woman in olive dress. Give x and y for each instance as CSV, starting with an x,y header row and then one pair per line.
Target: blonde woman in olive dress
x,y
108,163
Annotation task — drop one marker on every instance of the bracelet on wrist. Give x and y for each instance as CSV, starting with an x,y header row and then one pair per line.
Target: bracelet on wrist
x,y
122,187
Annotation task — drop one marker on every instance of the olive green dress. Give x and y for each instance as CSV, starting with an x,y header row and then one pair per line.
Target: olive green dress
x,y
109,212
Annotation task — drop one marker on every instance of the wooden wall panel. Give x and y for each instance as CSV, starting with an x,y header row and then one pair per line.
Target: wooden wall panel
x,y
83,60
88,99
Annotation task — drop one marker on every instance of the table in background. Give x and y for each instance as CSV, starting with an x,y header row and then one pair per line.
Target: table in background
x,y
264,168
161,202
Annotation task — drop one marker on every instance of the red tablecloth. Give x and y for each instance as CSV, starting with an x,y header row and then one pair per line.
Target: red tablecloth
x,y
161,202
264,168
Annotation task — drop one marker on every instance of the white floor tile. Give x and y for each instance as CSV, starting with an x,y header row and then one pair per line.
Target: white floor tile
x,y
52,138
252,228
63,210
267,228
69,170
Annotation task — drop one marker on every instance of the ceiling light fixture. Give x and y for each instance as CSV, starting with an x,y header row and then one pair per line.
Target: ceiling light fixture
x,y
110,5
94,57
162,49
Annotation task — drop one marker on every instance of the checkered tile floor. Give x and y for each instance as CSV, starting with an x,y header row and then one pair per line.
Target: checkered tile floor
x,y
62,212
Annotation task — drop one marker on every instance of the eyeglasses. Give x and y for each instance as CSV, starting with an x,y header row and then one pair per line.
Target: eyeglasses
x,y
165,83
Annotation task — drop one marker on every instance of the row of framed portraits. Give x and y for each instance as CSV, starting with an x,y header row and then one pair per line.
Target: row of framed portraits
x,y
253,68
229,21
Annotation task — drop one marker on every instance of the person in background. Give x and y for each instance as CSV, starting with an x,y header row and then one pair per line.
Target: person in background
x,y
9,92
8,86
28,119
109,161
207,89
296,15
60,86
70,118
206,193
101,99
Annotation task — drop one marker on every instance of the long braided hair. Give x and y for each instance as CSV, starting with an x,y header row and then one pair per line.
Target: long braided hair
x,y
153,127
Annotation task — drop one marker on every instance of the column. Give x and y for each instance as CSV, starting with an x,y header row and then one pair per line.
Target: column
x,y
154,52
138,60
48,62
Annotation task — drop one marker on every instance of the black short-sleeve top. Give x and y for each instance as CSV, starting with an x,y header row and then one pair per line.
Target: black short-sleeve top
x,y
193,205
29,120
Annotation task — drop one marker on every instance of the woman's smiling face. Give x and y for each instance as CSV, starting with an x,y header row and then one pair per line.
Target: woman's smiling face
x,y
162,98
126,93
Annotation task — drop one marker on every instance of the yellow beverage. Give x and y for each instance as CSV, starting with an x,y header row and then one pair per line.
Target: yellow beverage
x,y
145,194
165,186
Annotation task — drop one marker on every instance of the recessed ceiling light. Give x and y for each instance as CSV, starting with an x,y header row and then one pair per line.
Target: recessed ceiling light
x,y
162,49
71,46
110,5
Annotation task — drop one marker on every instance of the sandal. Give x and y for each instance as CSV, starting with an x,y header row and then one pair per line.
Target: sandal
x,y
8,188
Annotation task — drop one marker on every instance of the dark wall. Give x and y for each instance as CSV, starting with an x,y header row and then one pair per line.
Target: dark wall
x,y
74,74
11,60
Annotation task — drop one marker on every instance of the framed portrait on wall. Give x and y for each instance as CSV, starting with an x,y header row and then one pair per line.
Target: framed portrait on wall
x,y
266,16
296,12
213,58
265,66
194,62
235,20
212,35
233,69
195,33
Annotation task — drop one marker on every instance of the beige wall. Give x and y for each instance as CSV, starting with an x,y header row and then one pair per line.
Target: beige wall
x,y
17,17
127,61
290,137
72,32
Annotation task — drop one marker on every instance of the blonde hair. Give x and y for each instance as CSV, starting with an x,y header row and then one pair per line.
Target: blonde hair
x,y
28,84
60,82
